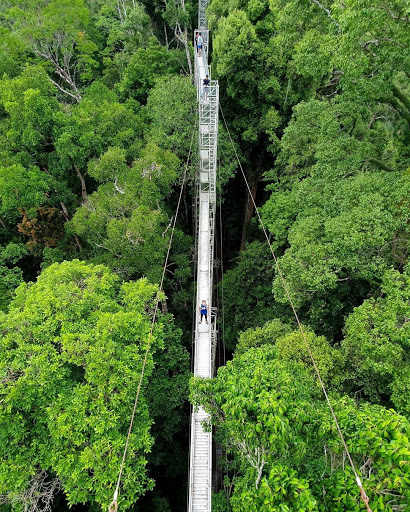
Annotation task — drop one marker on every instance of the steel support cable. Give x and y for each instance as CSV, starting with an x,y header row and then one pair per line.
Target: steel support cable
x,y
195,222
222,273
195,277
223,310
363,494
218,345
113,507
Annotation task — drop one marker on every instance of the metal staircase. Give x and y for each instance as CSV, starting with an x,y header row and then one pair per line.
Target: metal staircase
x,y
200,470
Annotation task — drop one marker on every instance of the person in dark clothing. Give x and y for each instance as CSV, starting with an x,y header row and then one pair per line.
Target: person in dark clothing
x,y
206,83
203,309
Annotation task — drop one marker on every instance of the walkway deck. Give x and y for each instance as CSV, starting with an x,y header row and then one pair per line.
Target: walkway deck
x,y
200,471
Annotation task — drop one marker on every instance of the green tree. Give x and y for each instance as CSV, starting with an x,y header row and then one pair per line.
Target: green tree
x,y
96,123
56,33
268,334
72,351
290,345
178,16
248,298
11,52
48,149
29,181
329,361
146,66
253,60
171,111
10,276
272,56
166,395
342,237
29,107
21,189
376,344
283,449
124,25
126,221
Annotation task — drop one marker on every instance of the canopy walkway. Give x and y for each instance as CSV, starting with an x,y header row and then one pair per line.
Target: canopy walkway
x,y
200,470
200,464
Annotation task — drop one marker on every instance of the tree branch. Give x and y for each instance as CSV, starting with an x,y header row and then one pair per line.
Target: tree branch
x,y
401,96
64,90
3,223
39,495
328,12
380,164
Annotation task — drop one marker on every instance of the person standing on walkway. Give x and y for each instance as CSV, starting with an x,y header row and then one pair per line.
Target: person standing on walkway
x,y
199,43
203,309
206,83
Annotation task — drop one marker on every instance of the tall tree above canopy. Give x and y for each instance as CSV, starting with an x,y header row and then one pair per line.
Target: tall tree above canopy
x,y
96,123
56,32
10,276
145,67
252,59
124,23
170,109
374,37
178,15
343,235
72,347
126,221
29,110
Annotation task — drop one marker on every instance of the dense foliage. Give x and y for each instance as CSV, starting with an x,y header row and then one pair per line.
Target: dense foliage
x,y
92,98
97,119
73,344
283,451
316,95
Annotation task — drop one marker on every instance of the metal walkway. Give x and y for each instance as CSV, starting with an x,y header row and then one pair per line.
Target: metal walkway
x,y
200,466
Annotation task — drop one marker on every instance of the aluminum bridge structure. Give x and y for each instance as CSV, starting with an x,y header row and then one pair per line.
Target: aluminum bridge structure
x,y
200,464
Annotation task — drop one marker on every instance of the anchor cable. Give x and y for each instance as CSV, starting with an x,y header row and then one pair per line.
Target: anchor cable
x,y
113,507
363,494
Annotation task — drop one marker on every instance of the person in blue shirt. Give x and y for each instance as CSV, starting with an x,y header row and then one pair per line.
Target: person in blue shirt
x,y
203,309
199,43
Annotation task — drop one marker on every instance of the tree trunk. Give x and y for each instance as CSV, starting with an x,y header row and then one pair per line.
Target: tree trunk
x,y
185,204
82,180
249,209
166,36
164,307
392,101
182,36
188,55
67,218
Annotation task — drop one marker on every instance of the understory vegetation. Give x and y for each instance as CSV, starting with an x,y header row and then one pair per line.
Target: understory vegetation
x,y
97,128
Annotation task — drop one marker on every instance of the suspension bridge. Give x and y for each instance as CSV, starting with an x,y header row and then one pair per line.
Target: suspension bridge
x,y
205,333
200,464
